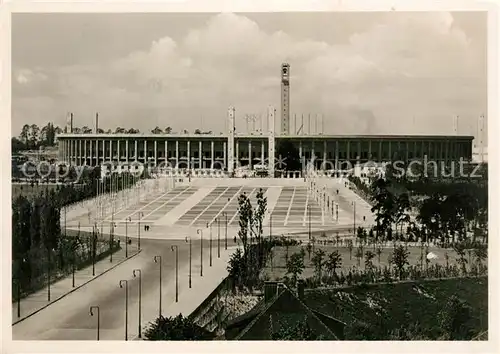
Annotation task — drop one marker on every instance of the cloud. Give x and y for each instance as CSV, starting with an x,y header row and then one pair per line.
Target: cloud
x,y
405,65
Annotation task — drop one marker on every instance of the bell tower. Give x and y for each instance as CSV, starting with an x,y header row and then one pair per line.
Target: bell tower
x,y
285,99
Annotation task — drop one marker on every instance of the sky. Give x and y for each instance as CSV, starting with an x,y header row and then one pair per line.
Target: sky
x,y
364,73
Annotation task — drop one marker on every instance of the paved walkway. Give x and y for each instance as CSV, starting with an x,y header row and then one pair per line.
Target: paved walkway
x,y
189,299
39,300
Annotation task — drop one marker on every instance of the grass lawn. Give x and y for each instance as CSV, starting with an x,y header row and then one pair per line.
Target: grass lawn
x,y
278,270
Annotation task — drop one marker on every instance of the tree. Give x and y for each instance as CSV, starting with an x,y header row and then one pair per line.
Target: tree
x,y
309,249
379,253
245,212
455,319
120,130
300,330
400,259
168,130
34,135
133,131
156,130
25,134
295,266
318,262
197,131
258,220
333,263
460,249
369,255
359,254
176,328
402,209
383,204
236,267
350,246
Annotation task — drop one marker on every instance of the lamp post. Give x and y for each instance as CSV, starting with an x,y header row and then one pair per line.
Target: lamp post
x,y
270,226
157,259
18,288
210,248
354,218
174,247
218,237
49,249
309,216
200,232
111,239
127,220
189,238
225,232
98,317
139,215
126,305
135,272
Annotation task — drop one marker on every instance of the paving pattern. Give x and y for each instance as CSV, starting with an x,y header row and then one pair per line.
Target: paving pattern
x,y
153,207
294,207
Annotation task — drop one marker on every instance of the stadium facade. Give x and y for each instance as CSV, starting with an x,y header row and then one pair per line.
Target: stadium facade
x,y
232,149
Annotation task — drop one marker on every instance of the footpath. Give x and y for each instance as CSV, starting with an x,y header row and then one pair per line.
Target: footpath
x,y
189,299
39,300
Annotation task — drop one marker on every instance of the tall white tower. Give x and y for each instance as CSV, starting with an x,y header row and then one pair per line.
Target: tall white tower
x,y
271,140
285,98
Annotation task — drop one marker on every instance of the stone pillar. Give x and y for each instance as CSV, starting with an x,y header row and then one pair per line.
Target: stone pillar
x,y
262,153
155,153
188,144
323,165
136,151
336,155
230,140
118,151
177,154
126,151
91,155
85,151
250,154
237,144
167,162
224,154
110,150
200,154
145,151
212,155
80,155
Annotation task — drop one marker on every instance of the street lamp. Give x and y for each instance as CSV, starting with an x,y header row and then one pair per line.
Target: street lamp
x,y
218,237
174,247
135,272
309,216
210,250
225,232
139,215
49,249
189,238
157,259
126,306
111,239
354,217
200,232
127,220
270,226
98,317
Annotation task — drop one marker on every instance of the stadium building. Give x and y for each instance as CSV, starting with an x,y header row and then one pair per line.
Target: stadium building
x,y
231,150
